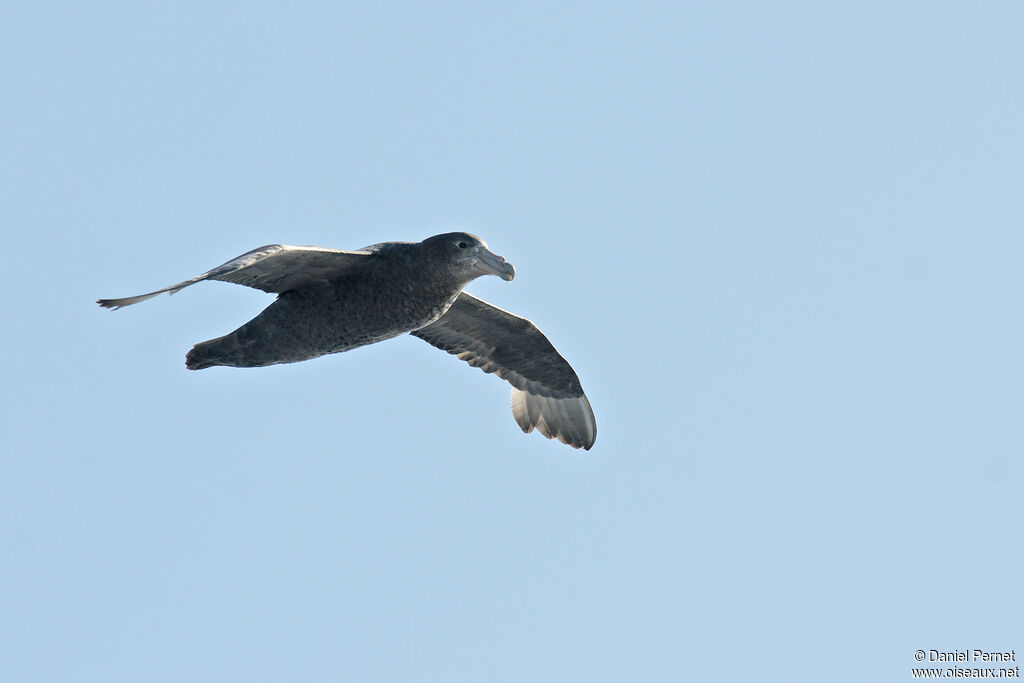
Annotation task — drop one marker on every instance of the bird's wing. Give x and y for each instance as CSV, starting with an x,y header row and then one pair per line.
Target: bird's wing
x,y
273,268
546,392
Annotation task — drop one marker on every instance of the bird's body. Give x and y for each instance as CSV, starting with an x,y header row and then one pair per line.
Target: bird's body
x,y
388,294
331,301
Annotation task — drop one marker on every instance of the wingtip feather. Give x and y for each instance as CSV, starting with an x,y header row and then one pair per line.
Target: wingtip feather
x,y
128,300
570,420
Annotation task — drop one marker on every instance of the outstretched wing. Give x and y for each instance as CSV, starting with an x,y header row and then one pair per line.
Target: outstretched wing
x,y
546,392
273,268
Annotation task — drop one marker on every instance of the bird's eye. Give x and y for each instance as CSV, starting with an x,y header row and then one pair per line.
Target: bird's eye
x,y
462,245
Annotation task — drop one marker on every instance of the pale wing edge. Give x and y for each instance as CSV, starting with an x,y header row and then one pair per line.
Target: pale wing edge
x,y
235,266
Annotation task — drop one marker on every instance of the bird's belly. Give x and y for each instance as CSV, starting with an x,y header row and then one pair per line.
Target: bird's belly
x,y
320,323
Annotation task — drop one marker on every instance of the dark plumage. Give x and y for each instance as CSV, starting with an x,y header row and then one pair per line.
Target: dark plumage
x,y
331,301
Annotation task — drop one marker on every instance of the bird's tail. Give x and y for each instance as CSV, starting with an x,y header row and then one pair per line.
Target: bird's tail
x,y
237,350
243,348
267,339
207,354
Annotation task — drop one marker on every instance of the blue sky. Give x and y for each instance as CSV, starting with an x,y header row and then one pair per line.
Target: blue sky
x,y
781,245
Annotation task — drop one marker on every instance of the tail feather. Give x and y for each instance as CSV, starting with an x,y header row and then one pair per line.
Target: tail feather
x,y
203,355
237,350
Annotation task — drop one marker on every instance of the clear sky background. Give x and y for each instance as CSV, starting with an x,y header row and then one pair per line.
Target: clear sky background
x,y
781,244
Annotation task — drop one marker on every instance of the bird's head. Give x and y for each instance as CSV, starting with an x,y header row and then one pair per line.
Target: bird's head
x,y
469,256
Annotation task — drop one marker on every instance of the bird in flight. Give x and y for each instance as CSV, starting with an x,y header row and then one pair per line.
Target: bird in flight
x,y
329,301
